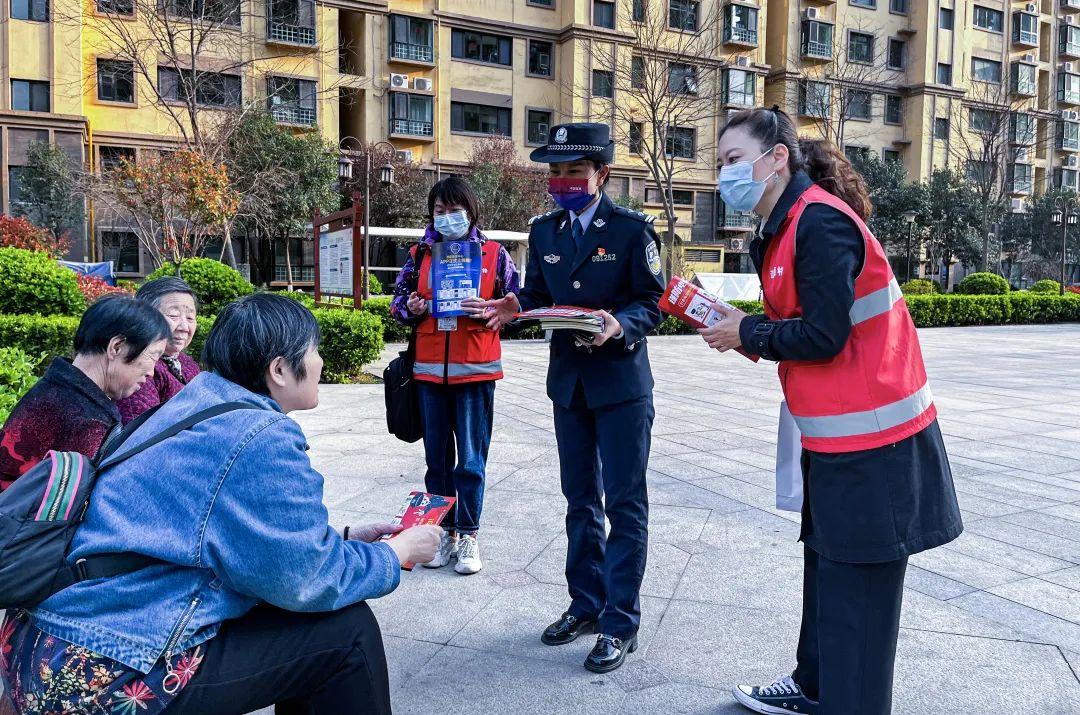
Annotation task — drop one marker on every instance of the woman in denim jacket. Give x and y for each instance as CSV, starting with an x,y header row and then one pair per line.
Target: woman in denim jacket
x,y
257,600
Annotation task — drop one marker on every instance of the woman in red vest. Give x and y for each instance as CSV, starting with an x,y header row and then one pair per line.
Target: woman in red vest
x,y
876,480
457,363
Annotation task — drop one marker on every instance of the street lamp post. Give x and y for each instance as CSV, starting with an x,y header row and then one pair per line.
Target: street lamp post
x,y
909,218
386,178
1066,213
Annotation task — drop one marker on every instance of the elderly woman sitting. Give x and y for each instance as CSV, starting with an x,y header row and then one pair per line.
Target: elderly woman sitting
x,y
175,300
252,599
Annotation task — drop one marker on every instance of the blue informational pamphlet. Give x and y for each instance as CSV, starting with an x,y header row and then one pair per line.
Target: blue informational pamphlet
x,y
455,268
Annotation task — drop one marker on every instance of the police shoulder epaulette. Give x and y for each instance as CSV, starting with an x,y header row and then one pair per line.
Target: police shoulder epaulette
x,y
541,217
639,215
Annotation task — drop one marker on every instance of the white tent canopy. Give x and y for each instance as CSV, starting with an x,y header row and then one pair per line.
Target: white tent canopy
x,y
730,286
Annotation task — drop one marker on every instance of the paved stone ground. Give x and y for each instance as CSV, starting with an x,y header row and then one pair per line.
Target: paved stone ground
x,y
991,622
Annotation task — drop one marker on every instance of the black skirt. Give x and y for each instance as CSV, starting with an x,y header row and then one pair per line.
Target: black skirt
x,y
880,504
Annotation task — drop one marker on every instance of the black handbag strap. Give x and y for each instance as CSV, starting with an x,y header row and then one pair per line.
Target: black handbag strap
x,y
418,261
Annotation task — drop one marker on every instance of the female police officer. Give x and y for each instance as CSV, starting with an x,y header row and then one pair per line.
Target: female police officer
x,y
877,483
592,253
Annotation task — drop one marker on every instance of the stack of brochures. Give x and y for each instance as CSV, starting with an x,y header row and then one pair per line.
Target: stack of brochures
x,y
565,317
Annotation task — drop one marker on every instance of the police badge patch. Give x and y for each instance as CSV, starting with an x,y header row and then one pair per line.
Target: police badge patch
x,y
653,257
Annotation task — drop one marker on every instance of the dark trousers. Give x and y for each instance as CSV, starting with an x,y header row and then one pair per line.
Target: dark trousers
x,y
850,621
604,452
304,663
457,434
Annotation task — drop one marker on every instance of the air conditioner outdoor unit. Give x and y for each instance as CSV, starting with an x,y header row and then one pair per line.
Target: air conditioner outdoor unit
x,y
1032,7
405,155
1072,161
1069,20
1029,57
742,61
1067,67
422,83
399,81
1017,206
811,13
736,244
1069,114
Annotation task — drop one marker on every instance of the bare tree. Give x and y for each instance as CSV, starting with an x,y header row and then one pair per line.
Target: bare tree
x,y
660,86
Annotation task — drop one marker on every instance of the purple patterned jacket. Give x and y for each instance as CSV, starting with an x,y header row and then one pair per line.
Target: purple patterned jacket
x,y
406,279
160,388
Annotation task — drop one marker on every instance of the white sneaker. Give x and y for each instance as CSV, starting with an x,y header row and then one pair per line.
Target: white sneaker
x,y
468,556
448,547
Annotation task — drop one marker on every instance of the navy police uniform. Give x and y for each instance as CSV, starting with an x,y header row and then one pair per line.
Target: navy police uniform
x,y
602,395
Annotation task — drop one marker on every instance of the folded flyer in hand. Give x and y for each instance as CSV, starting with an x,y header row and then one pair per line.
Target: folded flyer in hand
x,y
694,306
421,508
565,317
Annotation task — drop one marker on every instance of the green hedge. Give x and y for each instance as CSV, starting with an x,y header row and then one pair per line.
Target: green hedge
x,y
43,337
931,311
214,283
1046,285
16,377
983,284
919,286
350,340
33,282
393,331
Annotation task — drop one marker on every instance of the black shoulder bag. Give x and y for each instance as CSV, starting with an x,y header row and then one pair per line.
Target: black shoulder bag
x,y
402,402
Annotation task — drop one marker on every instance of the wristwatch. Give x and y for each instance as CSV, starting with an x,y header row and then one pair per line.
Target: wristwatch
x,y
759,338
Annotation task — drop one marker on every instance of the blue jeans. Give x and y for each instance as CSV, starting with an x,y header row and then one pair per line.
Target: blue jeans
x,y
457,421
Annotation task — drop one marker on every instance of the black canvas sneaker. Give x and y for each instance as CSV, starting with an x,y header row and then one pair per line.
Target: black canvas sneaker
x,y
780,698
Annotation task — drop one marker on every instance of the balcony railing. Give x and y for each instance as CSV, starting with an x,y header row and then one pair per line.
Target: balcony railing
x,y
740,35
1065,143
294,34
292,114
304,274
736,220
411,127
1025,87
413,53
1070,4
1026,37
813,48
1021,185
1068,95
1070,48
739,98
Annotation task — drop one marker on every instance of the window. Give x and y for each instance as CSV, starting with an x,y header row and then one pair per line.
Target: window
x,y
865,3
116,7
740,24
941,128
637,11
896,53
978,172
859,104
898,6
1069,40
540,54
15,184
680,142
987,18
683,14
1022,129
603,83
479,119
856,154
985,70
944,73
1066,178
290,100
603,14
637,72
739,87
679,197
225,11
542,3
211,89
411,39
814,99
111,157
1023,79
412,114
29,96
890,155
492,49
1025,28
682,79
538,123
894,109
635,144
860,47
34,10
1022,176
1068,136
1068,87
983,121
115,81
817,39
122,248
945,18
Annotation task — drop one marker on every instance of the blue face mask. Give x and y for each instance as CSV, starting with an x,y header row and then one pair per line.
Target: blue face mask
x,y
453,225
737,186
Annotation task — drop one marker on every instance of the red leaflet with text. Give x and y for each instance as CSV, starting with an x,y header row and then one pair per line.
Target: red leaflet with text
x,y
694,306
421,508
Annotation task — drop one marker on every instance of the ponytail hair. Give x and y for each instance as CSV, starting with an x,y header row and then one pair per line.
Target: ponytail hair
x,y
820,159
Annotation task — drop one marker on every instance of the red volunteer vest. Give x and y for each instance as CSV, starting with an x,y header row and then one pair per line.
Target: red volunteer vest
x,y
472,353
873,393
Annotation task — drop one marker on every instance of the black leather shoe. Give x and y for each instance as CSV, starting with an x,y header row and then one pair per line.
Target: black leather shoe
x,y
609,653
567,629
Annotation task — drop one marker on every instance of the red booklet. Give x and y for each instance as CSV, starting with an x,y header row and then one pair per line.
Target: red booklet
x,y
694,306
421,508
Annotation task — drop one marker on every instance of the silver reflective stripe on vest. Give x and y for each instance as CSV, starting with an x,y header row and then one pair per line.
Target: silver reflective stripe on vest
x,y
876,303
435,369
870,421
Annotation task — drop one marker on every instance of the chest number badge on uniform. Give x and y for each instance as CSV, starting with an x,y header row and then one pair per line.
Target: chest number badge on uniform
x,y
652,255
552,258
602,256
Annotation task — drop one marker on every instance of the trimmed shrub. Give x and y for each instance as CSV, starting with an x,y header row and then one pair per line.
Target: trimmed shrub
x,y
16,377
32,282
350,340
1046,285
93,288
393,331
202,332
983,284
932,311
374,287
19,232
214,283
300,297
919,286
43,337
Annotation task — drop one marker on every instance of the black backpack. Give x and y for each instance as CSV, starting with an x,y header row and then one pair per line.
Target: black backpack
x,y
41,510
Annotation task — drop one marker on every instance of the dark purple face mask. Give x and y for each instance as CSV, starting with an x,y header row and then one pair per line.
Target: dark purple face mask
x,y
570,194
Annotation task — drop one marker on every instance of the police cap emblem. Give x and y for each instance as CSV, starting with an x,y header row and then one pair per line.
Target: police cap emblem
x,y
560,135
